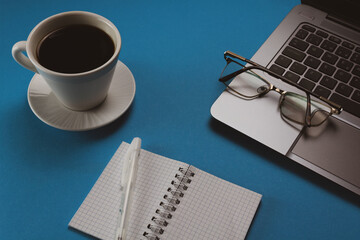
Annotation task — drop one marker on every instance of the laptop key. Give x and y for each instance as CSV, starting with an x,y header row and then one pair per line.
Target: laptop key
x,y
348,45
344,64
283,61
312,62
342,76
314,39
355,58
327,45
308,28
302,34
294,54
335,39
327,69
298,68
313,75
357,49
356,70
344,89
348,105
315,51
328,82
277,69
343,52
356,96
355,82
292,76
321,91
329,58
306,84
322,34
299,44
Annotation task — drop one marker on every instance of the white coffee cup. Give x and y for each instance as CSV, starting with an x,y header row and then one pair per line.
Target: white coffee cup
x,y
77,91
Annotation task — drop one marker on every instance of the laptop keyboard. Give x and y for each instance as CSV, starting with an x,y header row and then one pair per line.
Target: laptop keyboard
x,y
323,63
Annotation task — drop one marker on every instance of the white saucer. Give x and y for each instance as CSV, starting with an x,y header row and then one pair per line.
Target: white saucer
x,y
48,109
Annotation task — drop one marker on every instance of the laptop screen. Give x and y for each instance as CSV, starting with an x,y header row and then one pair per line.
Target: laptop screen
x,y
348,10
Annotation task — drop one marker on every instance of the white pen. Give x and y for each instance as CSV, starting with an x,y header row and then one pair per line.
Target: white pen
x,y
128,179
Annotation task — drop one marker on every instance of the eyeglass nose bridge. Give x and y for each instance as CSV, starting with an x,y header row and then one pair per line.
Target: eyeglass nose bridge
x,y
276,89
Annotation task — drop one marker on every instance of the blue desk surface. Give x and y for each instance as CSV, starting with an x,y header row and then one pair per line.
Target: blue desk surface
x,y
175,52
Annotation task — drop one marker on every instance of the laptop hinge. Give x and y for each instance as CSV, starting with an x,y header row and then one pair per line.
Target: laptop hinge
x,y
342,22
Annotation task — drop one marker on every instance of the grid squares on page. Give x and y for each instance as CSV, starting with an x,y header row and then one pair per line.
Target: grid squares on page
x,y
156,172
213,208
99,209
97,215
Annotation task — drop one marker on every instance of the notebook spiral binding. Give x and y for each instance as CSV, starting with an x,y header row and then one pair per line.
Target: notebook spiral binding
x,y
171,200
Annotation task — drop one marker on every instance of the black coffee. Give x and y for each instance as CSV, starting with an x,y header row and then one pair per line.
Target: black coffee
x,y
75,49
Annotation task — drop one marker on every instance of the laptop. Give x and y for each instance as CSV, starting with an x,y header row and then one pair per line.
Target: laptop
x,y
317,46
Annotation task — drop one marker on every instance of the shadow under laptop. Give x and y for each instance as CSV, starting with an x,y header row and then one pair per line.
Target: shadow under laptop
x,y
276,158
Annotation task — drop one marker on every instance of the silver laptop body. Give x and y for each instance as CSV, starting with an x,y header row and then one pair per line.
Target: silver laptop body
x,y
332,150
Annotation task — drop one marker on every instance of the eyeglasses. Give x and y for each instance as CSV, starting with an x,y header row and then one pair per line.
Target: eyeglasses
x,y
250,83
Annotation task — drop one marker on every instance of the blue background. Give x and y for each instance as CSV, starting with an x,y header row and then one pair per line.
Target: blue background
x,y
175,52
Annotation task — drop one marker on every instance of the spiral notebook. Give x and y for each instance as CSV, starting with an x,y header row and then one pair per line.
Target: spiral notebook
x,y
172,200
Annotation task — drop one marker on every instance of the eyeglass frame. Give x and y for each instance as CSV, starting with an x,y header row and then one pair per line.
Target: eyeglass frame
x,y
335,108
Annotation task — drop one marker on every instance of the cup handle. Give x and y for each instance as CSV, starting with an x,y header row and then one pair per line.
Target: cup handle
x,y
19,56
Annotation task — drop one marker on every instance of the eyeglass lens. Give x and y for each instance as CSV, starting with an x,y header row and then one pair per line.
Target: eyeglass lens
x,y
293,107
251,84
248,84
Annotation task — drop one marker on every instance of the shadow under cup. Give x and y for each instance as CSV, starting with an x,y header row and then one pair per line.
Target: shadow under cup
x,y
77,91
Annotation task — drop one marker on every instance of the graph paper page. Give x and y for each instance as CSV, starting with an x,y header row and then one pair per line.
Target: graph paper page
x,y
98,213
212,208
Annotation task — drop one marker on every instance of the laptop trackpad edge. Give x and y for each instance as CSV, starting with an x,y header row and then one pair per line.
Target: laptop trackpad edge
x,y
335,149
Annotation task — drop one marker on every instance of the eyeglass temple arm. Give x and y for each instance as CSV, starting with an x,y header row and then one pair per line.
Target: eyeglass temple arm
x,y
232,75
308,110
232,54
336,106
